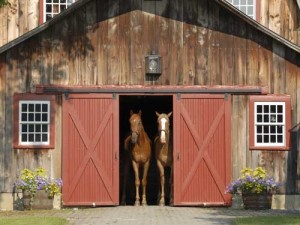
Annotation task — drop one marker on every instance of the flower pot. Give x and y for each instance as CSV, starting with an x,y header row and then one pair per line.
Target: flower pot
x,y
237,202
40,201
257,201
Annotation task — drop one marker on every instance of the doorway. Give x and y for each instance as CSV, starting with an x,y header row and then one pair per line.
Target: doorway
x,y
148,104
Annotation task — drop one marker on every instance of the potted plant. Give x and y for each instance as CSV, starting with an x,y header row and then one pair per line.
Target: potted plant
x,y
37,188
255,187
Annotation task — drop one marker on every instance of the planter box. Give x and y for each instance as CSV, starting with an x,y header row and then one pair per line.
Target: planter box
x,y
41,201
257,202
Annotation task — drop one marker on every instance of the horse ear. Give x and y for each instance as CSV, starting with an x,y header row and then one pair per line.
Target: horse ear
x,y
140,112
157,113
169,114
131,112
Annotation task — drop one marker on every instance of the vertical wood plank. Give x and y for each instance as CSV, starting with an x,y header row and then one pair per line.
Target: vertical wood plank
x,y
291,89
57,62
102,15
78,52
293,23
150,34
264,13
46,70
91,43
252,58
279,77
23,17
176,45
11,86
113,59
2,119
33,14
243,130
214,40
82,42
136,36
13,21
298,130
236,167
274,15
190,30
201,76
163,39
239,53
3,25
226,48
73,78
264,64
66,55
125,42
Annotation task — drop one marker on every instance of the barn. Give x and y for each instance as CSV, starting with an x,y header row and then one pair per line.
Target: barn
x,y
68,85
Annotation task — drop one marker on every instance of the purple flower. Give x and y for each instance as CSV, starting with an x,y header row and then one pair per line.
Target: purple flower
x,y
38,180
253,182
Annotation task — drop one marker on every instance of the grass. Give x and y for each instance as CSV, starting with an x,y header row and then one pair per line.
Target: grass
x,y
268,220
32,220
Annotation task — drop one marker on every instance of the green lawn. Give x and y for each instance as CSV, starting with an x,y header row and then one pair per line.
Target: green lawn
x,y
269,220
32,220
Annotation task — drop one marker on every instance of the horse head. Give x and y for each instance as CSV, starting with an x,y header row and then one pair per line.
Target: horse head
x,y
136,125
163,122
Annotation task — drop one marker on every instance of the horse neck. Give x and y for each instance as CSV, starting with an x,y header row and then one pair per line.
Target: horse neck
x,y
143,137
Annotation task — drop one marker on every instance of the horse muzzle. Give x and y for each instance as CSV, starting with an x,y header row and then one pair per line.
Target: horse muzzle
x,y
162,137
134,137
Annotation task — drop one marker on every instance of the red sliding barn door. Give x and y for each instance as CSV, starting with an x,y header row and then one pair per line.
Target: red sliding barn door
x,y
202,154
90,169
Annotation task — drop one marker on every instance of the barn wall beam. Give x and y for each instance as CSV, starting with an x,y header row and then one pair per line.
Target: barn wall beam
x,y
139,89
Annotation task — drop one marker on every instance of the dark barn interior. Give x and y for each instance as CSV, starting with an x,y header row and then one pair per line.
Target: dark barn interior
x,y
148,105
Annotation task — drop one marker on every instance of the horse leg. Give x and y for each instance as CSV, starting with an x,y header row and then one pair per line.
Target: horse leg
x,y
137,182
144,182
162,183
126,170
171,187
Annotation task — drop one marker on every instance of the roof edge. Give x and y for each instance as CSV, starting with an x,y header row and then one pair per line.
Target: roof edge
x,y
43,26
80,3
259,26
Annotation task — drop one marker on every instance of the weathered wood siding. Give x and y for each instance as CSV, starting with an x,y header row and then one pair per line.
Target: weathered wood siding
x,y
105,43
281,16
17,18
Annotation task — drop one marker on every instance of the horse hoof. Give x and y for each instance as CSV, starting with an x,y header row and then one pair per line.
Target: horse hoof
x,y
161,203
171,203
144,203
137,203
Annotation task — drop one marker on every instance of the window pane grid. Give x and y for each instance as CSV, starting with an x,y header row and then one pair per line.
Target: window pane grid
x,y
34,120
269,123
54,7
246,6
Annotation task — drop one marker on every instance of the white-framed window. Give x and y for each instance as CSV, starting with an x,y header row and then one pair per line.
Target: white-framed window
x,y
34,119
246,6
269,124
54,7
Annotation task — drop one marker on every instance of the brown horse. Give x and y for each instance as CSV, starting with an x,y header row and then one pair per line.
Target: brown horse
x,y
164,153
139,146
